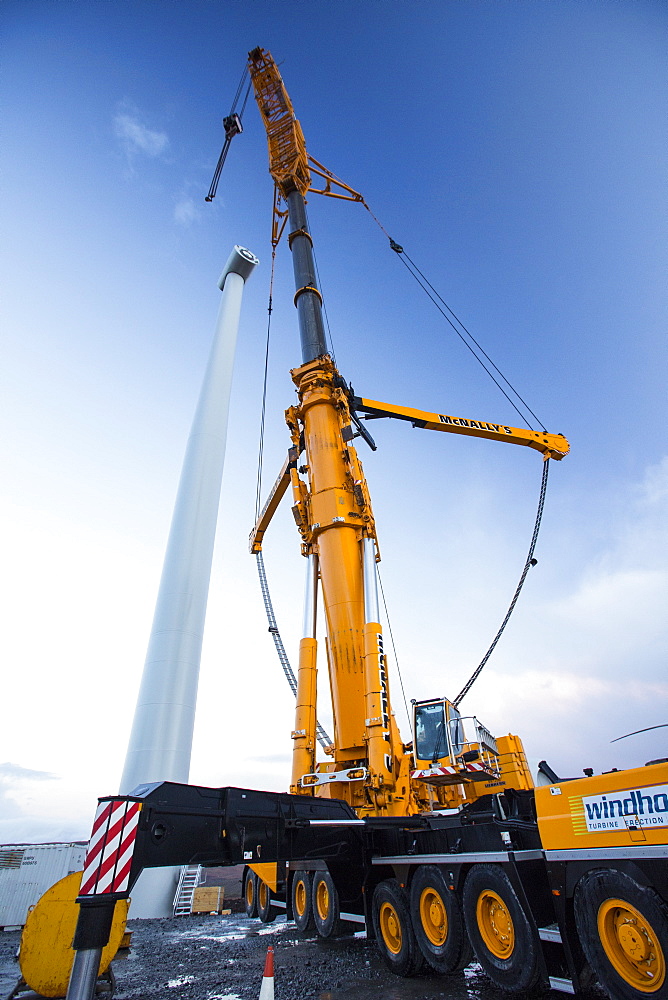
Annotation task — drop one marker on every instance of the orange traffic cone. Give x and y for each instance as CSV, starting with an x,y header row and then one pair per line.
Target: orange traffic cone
x,y
267,988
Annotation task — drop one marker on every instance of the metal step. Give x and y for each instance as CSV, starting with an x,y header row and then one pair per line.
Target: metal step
x,y
188,882
563,985
551,933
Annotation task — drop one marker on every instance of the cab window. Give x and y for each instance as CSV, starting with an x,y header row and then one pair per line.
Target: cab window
x,y
430,731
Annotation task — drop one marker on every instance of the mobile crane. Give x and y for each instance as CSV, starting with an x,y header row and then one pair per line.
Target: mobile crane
x,y
441,847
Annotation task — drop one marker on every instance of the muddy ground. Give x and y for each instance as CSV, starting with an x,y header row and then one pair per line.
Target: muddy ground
x,y
222,958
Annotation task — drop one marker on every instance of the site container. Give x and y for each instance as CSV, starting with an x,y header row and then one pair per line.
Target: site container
x,y
27,871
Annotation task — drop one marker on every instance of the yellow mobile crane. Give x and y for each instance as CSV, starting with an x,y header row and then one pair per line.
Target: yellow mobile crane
x,y
441,847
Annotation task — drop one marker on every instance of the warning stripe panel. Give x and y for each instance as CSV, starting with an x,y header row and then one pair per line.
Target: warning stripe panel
x,y
447,770
97,859
116,850
109,857
99,829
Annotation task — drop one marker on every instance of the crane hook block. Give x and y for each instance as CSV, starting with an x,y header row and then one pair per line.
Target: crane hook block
x,y
232,125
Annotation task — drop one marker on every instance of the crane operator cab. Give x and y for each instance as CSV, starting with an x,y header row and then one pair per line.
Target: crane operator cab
x,y
450,747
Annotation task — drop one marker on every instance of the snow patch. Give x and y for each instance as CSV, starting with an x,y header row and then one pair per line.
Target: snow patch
x,y
181,981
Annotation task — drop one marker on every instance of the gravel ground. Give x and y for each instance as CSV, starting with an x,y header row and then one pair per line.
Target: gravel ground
x,y
222,958
213,957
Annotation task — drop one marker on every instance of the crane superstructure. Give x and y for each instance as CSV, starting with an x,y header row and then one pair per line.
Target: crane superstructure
x,y
371,768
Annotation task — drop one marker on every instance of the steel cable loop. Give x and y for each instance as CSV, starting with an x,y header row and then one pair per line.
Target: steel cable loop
x,y
527,566
273,627
322,737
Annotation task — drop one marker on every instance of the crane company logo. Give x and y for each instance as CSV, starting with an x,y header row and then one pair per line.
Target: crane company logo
x,y
384,695
479,425
631,808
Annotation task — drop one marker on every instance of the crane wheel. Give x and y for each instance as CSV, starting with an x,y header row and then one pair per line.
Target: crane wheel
x,y
623,927
266,910
302,908
394,932
250,893
325,905
504,937
438,923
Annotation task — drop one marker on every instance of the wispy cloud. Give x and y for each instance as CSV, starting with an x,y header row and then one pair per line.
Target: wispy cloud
x,y
185,211
14,772
15,784
37,806
136,137
601,672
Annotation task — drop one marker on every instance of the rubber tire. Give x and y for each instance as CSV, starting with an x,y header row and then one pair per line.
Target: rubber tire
x,y
250,893
304,922
266,911
408,959
329,925
522,969
455,953
592,891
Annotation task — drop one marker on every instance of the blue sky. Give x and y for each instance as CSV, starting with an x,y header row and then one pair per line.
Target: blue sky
x,y
517,151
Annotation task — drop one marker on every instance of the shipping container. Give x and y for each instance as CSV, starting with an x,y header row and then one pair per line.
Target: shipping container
x,y
27,871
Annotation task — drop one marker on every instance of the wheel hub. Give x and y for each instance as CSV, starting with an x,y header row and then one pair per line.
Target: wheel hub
x,y
633,942
390,926
631,945
322,900
434,917
495,924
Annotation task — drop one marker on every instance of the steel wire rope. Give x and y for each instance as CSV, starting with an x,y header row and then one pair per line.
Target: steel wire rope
x,y
240,85
530,561
228,138
243,106
426,286
321,735
479,346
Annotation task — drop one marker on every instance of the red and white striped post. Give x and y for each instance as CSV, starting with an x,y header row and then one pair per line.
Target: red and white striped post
x,y
105,879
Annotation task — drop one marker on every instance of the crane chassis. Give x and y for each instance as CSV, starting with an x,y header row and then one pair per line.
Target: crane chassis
x,y
512,878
